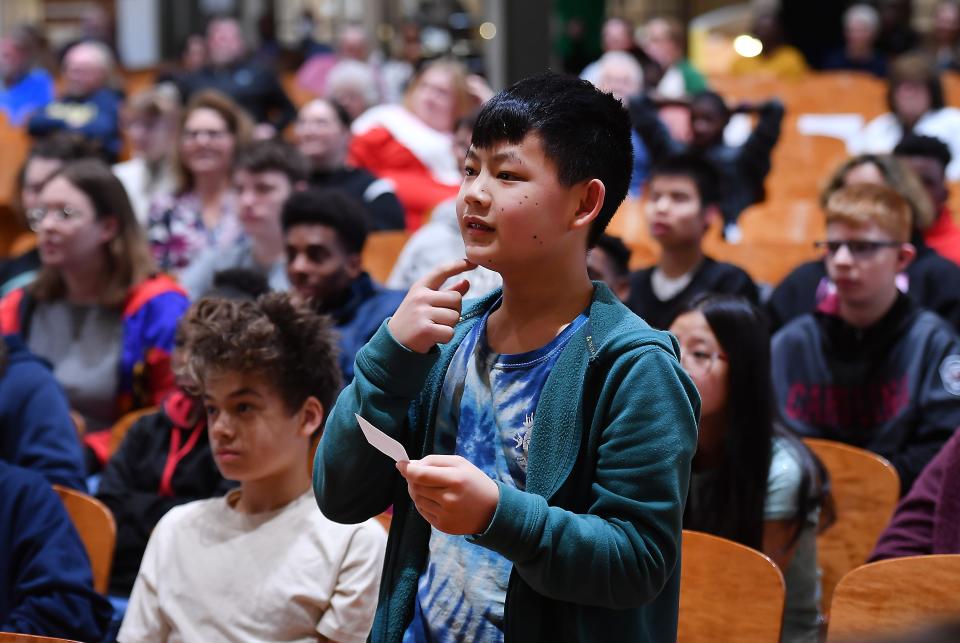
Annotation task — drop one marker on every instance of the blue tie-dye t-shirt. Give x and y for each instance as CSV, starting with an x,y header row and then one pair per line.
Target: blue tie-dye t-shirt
x,y
485,414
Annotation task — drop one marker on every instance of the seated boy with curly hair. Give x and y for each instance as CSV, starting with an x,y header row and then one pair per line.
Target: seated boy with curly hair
x,y
260,563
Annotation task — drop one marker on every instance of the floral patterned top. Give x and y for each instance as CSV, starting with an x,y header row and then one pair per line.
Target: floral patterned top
x,y
177,234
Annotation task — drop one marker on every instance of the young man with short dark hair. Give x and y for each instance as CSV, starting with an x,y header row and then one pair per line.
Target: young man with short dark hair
x,y
683,199
266,173
324,233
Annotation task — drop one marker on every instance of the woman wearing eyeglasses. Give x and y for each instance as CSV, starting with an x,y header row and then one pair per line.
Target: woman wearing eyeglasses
x,y
753,481
202,213
96,311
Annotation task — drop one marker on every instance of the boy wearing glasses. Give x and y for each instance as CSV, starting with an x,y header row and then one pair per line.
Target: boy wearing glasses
x,y
684,200
869,367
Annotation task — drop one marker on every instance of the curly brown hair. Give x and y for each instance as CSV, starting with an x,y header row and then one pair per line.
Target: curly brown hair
x,y
290,346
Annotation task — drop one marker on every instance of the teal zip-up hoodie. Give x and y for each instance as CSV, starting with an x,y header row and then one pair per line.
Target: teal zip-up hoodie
x,y
595,538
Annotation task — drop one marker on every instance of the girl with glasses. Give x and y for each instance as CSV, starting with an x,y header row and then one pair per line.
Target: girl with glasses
x,y
753,481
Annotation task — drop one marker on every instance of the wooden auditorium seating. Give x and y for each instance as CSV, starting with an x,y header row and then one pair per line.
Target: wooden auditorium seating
x,y
866,489
728,592
381,251
890,597
98,532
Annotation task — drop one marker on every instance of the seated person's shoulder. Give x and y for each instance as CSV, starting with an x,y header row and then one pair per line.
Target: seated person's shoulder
x,y
801,330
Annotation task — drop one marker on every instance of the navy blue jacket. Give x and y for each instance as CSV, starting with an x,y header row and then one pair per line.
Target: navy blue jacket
x,y
96,116
36,431
46,586
359,316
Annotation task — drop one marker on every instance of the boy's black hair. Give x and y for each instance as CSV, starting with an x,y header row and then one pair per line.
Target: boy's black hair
x,y
617,251
698,169
293,348
584,132
924,146
328,207
273,156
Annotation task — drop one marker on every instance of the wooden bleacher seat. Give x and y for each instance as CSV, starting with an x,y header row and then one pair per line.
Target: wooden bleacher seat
x,y
892,596
381,251
13,637
866,489
728,592
119,429
98,531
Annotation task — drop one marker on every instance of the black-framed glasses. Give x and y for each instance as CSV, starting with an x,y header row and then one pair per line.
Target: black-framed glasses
x,y
858,248
35,216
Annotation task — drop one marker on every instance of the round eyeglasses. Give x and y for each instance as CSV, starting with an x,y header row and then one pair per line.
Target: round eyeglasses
x,y
35,216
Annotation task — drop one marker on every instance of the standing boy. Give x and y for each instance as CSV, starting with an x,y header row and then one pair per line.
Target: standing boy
x,y
683,201
552,429
261,563
869,367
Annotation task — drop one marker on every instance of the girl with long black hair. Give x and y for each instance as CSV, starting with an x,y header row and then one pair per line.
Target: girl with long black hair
x,y
753,481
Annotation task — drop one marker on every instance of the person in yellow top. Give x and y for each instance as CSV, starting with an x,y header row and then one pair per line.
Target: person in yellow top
x,y
777,59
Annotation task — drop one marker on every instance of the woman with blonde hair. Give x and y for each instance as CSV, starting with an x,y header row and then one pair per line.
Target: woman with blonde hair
x,y
412,144
202,213
96,311
930,280
150,122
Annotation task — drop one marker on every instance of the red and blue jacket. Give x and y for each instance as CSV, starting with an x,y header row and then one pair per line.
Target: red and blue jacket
x,y
150,315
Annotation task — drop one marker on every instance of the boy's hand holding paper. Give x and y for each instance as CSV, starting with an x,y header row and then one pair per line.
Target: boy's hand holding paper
x,y
428,313
452,494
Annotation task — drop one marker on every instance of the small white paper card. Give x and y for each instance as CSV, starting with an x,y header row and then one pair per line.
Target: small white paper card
x,y
382,442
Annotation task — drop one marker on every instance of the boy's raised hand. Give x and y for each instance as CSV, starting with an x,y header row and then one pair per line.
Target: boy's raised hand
x,y
428,313
451,493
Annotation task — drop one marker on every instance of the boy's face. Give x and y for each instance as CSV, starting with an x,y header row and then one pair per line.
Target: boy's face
x,y
867,271
253,435
261,196
674,213
706,124
601,268
931,175
320,270
513,210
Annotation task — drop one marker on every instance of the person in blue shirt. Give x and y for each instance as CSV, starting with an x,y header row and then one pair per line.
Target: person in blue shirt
x,y
26,87
36,431
551,430
88,104
46,586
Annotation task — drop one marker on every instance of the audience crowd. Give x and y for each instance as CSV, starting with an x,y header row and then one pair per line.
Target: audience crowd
x,y
200,287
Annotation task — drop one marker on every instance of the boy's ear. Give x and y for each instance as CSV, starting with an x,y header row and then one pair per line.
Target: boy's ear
x,y
311,416
905,256
354,265
710,214
591,202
